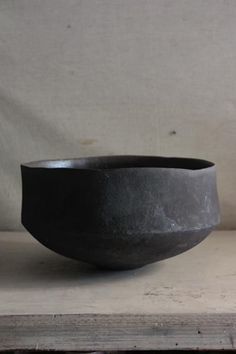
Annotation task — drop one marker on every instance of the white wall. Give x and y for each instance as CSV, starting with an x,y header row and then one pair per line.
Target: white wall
x,y
90,77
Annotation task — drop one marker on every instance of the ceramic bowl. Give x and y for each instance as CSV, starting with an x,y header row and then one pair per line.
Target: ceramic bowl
x,y
120,212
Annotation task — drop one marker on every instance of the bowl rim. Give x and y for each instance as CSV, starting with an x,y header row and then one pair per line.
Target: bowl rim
x,y
189,164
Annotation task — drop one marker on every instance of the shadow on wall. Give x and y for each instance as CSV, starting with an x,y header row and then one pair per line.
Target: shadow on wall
x,y
24,130
227,215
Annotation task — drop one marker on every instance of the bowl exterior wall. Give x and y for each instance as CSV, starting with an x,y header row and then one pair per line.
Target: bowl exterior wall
x,y
120,218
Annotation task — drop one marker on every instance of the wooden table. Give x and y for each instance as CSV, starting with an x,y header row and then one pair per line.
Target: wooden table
x,y
50,302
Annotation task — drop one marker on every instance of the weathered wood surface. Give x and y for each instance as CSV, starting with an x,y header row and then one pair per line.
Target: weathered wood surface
x,y
50,302
118,332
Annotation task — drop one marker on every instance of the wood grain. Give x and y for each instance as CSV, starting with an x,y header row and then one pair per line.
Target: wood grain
x,y
48,302
118,332
34,280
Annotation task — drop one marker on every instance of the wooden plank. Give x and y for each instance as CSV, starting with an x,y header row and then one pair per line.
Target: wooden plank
x,y
48,302
118,332
34,280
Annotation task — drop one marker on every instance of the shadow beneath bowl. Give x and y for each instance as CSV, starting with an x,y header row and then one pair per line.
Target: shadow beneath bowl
x,y
31,265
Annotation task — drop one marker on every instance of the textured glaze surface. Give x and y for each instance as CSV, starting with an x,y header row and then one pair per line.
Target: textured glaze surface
x,y
120,212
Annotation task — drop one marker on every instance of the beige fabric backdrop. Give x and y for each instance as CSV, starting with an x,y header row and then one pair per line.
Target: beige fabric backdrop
x,y
88,77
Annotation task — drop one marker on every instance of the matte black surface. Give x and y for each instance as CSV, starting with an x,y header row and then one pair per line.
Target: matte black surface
x,y
120,212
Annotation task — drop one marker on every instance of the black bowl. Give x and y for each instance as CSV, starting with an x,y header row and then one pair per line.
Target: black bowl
x,y
120,212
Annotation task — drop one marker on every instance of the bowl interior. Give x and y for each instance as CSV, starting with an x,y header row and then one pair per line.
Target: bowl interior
x,y
115,162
